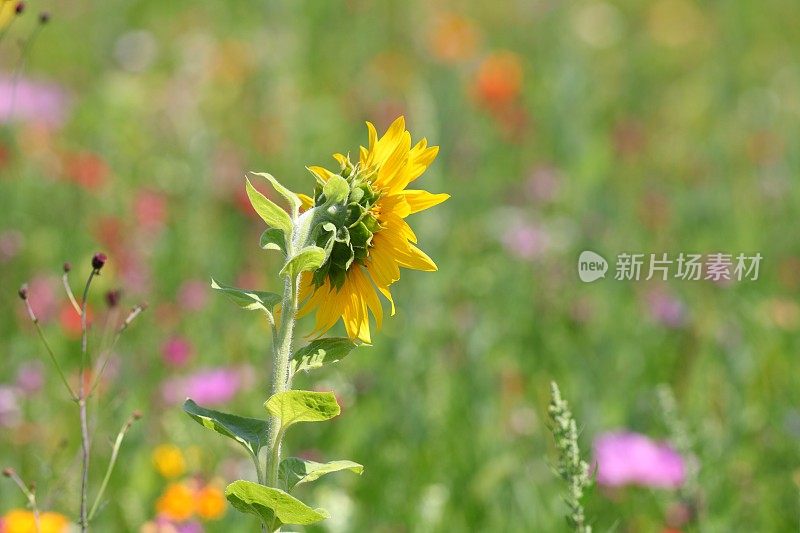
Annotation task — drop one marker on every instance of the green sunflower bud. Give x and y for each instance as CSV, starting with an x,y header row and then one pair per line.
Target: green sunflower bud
x,y
344,223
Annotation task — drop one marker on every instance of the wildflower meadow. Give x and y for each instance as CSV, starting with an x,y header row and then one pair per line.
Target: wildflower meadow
x,y
399,267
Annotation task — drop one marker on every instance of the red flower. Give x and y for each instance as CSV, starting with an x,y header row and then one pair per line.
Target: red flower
x,y
86,169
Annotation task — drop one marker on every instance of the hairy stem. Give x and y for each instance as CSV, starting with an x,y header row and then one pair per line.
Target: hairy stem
x,y
282,350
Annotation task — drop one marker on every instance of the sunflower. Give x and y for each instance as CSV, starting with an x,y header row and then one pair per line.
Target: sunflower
x,y
372,240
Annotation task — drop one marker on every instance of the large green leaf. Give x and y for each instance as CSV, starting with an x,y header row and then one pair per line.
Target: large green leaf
x,y
273,507
309,258
273,215
294,471
251,433
321,352
247,299
296,406
292,198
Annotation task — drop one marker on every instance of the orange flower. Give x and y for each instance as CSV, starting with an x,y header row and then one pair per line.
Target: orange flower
x,y
177,503
22,521
498,81
453,38
210,503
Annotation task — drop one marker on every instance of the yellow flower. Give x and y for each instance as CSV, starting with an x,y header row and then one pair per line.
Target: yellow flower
x,y
177,503
22,521
380,241
211,503
169,460
7,12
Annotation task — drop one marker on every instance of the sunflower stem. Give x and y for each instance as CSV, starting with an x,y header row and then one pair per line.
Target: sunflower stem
x,y
282,352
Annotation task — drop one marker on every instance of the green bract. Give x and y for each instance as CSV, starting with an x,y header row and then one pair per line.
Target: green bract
x,y
347,227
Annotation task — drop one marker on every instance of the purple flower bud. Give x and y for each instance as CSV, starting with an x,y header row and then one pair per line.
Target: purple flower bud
x,y
99,260
19,8
23,291
112,297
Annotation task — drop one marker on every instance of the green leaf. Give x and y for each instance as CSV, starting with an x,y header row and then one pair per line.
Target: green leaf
x,y
251,433
294,471
250,300
273,239
273,507
302,406
273,215
292,198
309,258
321,352
336,190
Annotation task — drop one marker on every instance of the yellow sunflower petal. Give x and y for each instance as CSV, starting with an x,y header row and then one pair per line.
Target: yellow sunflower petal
x,y
382,267
386,145
388,295
421,200
322,173
306,202
340,158
370,296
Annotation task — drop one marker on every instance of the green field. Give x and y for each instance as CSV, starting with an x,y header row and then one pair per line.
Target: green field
x,y
666,126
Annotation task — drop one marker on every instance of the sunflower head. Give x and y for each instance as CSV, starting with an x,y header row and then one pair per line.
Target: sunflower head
x,y
349,240
358,218
350,225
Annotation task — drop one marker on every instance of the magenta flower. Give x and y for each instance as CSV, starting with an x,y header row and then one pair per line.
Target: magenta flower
x,y
527,241
207,387
193,295
23,100
544,184
30,377
176,351
666,309
627,458
43,294
11,242
163,524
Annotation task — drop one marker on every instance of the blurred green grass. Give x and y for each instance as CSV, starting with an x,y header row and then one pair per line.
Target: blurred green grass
x,y
661,126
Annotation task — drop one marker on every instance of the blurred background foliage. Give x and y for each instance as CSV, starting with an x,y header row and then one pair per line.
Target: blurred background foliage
x,y
658,126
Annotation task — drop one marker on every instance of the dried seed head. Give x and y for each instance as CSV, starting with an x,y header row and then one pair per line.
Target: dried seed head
x,y
23,292
67,267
